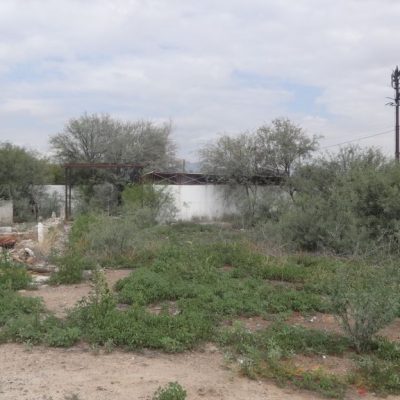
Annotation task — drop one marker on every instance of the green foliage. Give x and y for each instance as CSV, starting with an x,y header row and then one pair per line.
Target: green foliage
x,y
12,306
267,354
22,173
23,319
385,349
74,260
38,328
80,228
101,322
115,240
282,340
207,280
381,376
148,204
172,391
101,139
62,336
365,299
283,144
346,204
12,276
70,269
270,151
328,385
195,276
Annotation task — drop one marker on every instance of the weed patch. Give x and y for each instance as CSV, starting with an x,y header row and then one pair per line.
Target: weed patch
x,y
12,276
172,391
267,354
381,376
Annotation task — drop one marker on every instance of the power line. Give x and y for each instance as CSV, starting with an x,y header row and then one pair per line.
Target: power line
x,y
357,139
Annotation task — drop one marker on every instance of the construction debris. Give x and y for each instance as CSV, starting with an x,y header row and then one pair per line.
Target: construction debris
x,y
7,242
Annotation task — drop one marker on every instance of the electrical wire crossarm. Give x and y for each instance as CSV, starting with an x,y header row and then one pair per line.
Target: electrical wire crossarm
x,y
395,81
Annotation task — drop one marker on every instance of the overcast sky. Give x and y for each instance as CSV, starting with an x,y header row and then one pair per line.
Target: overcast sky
x,y
211,66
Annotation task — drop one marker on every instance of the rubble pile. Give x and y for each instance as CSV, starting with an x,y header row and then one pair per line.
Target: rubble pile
x,y
22,244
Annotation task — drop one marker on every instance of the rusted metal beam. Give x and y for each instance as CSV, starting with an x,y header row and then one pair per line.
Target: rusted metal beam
x,y
179,178
102,165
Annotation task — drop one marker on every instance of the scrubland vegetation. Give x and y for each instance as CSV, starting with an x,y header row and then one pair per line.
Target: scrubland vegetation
x,y
205,279
327,244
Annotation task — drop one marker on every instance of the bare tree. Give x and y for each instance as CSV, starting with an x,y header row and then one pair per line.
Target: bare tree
x,y
100,138
234,158
282,144
271,150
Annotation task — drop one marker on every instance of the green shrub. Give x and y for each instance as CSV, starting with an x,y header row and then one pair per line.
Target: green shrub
x,y
365,299
381,376
267,354
12,276
101,322
24,320
62,336
172,391
284,340
12,306
346,204
148,204
80,228
70,269
386,350
329,385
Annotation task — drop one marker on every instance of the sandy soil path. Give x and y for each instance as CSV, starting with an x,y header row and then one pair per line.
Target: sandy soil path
x,y
43,374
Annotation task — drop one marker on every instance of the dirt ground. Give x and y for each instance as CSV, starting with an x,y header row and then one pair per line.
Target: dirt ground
x,y
41,373
58,299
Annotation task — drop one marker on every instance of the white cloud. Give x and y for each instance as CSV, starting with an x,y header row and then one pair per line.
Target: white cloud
x,y
177,59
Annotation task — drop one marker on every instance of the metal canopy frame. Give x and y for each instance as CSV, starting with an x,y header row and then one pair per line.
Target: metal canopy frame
x,y
68,177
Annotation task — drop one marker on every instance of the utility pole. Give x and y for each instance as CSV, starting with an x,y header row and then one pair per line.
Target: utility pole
x,y
395,86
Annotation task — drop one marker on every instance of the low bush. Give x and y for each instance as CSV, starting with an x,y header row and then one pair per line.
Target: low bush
x,y
101,322
267,354
381,376
39,328
385,349
12,276
12,306
365,299
328,385
70,269
199,278
172,391
284,340
23,319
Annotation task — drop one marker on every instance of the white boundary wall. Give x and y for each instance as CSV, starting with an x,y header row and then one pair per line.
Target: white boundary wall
x,y
210,202
6,212
199,201
206,202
